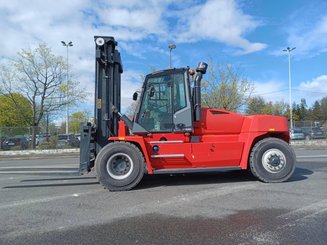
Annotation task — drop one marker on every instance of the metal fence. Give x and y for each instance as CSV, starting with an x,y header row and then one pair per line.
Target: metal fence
x,y
20,138
308,130
311,124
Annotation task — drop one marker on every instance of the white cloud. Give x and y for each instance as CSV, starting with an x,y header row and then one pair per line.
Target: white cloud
x,y
274,90
309,40
133,20
27,23
271,90
221,21
315,88
24,24
131,82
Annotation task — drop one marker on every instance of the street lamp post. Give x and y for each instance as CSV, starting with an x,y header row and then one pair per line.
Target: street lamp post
x,y
288,50
67,45
171,47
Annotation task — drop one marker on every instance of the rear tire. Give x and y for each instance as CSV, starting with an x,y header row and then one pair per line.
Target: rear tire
x,y
119,166
272,160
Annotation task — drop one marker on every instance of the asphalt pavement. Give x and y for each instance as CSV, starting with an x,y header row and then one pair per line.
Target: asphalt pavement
x,y
45,201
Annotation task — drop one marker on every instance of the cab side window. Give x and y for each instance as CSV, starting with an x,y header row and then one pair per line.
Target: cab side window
x,y
179,92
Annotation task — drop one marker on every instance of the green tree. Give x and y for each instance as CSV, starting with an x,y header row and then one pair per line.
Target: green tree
x,y
300,112
15,110
316,112
225,88
323,104
280,108
12,116
76,119
296,112
255,105
268,108
40,76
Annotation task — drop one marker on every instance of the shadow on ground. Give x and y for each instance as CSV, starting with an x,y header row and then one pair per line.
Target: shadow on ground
x,y
300,174
151,181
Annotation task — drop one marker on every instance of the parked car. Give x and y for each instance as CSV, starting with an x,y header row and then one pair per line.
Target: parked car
x,y
19,142
313,133
67,140
297,134
2,139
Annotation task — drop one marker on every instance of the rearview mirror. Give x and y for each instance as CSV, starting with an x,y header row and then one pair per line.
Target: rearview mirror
x,y
135,95
151,92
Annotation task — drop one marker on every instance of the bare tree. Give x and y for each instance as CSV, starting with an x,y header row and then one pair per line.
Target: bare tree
x,y
225,88
40,76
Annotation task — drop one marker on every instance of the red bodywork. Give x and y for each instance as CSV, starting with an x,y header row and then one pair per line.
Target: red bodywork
x,y
221,139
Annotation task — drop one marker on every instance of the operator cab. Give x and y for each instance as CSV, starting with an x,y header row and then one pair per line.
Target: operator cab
x,y
166,104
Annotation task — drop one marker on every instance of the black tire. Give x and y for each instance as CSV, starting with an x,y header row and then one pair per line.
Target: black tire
x,y
120,166
272,160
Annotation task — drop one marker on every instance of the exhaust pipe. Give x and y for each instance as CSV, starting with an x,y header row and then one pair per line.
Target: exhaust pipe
x,y
200,70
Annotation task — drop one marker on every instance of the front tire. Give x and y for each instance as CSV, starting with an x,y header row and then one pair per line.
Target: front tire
x,y
272,160
120,166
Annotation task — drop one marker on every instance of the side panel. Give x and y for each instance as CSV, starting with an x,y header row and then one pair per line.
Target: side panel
x,y
265,123
170,154
179,152
218,122
218,152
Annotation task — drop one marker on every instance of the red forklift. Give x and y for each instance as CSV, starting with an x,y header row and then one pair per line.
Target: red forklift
x,y
171,132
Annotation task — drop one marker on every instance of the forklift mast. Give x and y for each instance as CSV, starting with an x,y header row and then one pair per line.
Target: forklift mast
x,y
108,69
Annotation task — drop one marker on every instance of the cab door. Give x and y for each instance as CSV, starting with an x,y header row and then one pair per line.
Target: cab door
x,y
165,105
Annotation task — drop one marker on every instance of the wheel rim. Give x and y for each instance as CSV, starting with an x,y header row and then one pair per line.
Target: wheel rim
x,y
274,160
119,166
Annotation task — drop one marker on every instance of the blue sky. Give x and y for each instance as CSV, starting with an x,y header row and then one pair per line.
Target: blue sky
x,y
248,34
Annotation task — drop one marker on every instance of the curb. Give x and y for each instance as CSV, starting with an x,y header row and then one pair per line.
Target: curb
x,y
34,154
309,144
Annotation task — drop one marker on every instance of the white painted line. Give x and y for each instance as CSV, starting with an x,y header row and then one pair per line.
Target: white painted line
x,y
316,156
45,199
303,214
309,209
9,178
41,166
39,172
